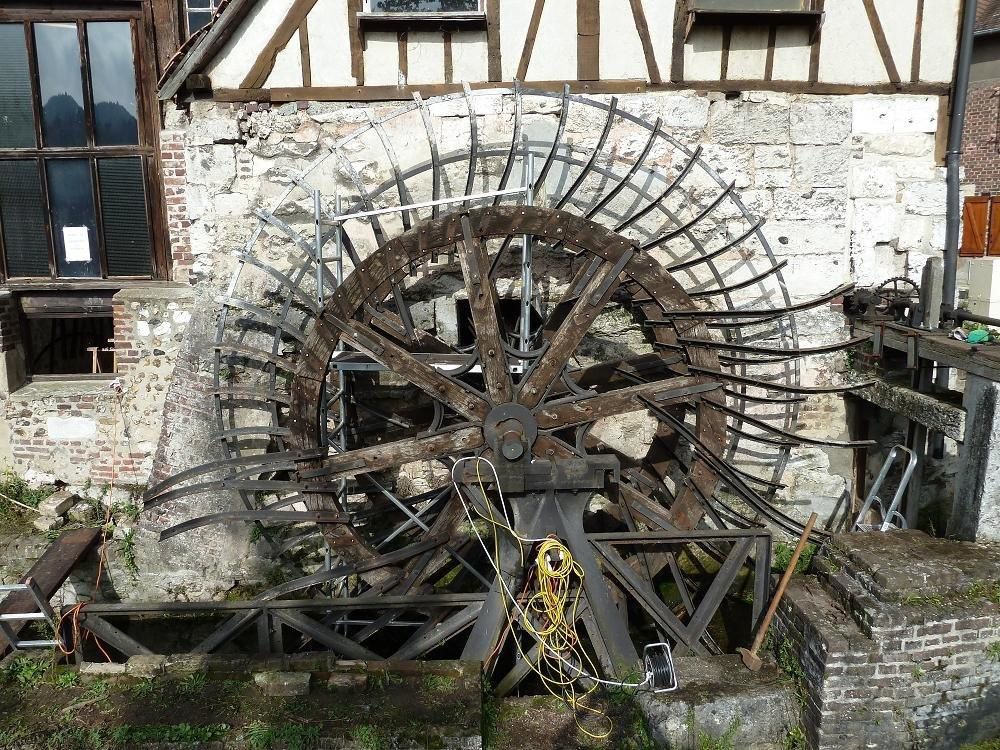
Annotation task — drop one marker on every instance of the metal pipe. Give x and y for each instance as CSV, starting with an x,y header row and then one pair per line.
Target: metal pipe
x,y
953,156
960,316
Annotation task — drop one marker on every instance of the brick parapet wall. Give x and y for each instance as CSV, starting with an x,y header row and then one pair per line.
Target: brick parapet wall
x,y
174,168
918,671
981,138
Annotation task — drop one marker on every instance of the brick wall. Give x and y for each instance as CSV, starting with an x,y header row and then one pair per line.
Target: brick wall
x,y
981,139
10,326
77,431
174,181
896,640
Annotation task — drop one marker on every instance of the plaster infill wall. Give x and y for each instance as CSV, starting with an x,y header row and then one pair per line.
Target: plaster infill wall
x,y
849,186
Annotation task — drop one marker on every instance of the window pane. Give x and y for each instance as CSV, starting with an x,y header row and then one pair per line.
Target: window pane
x,y
23,218
423,6
123,209
112,80
16,120
197,19
58,51
74,227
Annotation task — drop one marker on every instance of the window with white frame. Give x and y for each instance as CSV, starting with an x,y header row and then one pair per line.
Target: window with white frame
x,y
424,6
199,13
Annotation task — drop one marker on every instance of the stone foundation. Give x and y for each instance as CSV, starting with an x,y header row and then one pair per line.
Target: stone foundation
x,y
896,642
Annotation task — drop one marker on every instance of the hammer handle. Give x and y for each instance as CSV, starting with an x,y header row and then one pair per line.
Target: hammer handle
x,y
782,585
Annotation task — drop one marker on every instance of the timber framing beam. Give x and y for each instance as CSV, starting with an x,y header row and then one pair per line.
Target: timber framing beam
x,y
405,93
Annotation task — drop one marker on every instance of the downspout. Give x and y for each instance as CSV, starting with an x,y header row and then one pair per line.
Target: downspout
x,y
952,159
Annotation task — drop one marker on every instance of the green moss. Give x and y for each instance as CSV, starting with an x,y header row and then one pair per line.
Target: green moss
x,y
783,556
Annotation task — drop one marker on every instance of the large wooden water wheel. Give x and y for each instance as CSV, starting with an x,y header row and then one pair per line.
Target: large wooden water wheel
x,y
601,349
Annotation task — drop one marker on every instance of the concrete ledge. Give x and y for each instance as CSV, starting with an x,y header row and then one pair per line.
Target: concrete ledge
x,y
923,408
721,700
162,290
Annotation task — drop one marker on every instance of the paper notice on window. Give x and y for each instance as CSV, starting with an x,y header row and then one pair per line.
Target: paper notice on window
x,y
76,241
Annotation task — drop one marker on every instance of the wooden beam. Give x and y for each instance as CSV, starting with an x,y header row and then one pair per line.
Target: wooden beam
x,y
493,60
772,38
405,93
404,61
529,39
167,31
918,33
727,40
642,26
449,61
356,42
815,47
677,53
304,52
588,40
880,40
264,63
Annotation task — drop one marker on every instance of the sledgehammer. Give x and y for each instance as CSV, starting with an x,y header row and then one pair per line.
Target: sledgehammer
x,y
750,658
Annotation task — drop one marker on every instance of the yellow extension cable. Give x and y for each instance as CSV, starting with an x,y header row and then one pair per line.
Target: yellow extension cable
x,y
559,580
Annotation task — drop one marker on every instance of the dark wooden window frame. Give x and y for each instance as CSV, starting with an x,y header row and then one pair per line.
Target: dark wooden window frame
x,y
144,62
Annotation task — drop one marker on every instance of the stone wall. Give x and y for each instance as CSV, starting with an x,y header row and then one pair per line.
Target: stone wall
x,y
98,431
849,185
895,641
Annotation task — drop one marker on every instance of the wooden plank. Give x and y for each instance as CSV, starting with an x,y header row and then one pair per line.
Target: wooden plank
x,y
772,37
993,228
815,47
677,52
493,60
880,40
114,637
727,40
264,63
449,62
918,33
404,61
356,42
405,93
304,52
642,26
588,40
166,30
49,573
529,39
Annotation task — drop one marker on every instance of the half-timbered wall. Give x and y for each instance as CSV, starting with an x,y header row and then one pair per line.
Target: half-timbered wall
x,y
321,48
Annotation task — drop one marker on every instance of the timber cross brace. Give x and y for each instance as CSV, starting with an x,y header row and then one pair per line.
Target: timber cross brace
x,y
433,354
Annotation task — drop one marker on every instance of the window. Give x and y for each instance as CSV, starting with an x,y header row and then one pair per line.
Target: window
x,y
423,6
75,157
199,13
68,335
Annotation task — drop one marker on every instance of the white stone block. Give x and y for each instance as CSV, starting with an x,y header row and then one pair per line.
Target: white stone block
x,y
925,198
211,127
772,157
772,178
875,221
820,166
48,523
230,204
57,503
794,204
738,122
826,121
872,181
684,111
71,428
907,144
895,114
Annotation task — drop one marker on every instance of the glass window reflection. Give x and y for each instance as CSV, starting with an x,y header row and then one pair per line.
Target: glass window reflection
x,y
112,80
60,84
74,223
17,128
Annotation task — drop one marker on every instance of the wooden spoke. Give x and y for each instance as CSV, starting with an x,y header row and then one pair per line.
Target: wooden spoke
x,y
378,457
564,341
485,318
452,392
590,408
